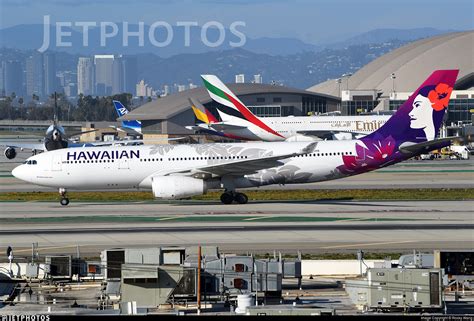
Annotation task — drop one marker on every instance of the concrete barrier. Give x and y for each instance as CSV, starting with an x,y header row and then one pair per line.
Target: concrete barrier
x,y
19,269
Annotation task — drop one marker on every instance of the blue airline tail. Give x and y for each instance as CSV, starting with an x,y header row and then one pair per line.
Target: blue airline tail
x,y
135,125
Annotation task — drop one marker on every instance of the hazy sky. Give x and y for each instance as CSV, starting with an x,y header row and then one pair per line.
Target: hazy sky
x,y
308,20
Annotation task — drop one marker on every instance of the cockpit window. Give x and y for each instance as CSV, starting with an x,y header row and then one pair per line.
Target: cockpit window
x,y
30,162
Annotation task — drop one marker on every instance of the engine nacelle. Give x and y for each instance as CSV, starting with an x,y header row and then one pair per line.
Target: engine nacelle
x,y
343,136
10,152
175,187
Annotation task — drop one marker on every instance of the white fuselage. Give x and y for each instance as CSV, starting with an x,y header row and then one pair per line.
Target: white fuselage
x,y
341,127
118,167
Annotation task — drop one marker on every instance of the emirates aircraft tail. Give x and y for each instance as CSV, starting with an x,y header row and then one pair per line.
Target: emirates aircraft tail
x,y
221,94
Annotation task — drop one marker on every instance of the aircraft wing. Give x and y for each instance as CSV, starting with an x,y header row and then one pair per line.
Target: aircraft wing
x,y
238,167
197,128
125,130
412,148
81,133
29,146
242,167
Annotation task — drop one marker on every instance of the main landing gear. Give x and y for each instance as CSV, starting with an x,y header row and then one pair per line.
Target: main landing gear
x,y
229,197
64,200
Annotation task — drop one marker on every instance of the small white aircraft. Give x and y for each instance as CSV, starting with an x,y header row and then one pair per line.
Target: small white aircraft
x,y
55,138
180,171
245,125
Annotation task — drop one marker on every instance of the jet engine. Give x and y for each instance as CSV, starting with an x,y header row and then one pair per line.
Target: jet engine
x,y
343,136
176,187
10,152
51,144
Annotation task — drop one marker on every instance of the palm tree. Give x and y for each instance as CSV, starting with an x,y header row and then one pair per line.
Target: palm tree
x,y
20,101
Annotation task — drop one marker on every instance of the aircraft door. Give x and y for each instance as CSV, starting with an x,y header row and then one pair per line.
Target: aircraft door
x,y
56,165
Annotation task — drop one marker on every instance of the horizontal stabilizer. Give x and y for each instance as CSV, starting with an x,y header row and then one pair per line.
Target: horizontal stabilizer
x,y
82,133
225,126
417,148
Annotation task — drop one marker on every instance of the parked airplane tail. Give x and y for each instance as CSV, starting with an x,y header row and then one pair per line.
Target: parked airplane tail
x,y
221,94
202,113
120,108
128,124
419,118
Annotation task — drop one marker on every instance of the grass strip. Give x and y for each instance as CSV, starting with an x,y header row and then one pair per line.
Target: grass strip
x,y
263,195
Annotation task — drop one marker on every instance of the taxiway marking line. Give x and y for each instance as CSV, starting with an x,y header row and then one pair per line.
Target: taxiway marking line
x,y
365,244
169,218
50,248
352,219
256,218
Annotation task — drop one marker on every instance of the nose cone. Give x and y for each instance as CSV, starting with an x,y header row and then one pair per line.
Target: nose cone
x,y
20,173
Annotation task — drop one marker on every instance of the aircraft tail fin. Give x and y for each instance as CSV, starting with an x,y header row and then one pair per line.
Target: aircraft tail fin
x,y
221,94
120,108
420,117
201,112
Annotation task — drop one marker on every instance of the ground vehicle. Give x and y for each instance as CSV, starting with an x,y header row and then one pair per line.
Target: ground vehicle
x,y
460,151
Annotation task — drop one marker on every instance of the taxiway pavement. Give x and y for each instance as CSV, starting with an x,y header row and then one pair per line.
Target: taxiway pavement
x,y
260,227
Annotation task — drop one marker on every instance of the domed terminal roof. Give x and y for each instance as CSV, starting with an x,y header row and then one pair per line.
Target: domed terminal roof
x,y
412,64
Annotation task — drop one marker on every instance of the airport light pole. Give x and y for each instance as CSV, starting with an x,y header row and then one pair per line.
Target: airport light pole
x,y
393,77
360,257
347,76
256,282
199,281
338,82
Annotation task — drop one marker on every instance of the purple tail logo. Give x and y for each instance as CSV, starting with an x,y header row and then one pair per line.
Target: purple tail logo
x,y
420,117
417,120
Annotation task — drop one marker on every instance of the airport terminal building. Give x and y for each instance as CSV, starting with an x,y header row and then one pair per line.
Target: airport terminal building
x,y
388,81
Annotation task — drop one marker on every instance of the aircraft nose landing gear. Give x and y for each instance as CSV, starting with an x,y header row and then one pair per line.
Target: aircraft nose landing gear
x,y
64,200
229,197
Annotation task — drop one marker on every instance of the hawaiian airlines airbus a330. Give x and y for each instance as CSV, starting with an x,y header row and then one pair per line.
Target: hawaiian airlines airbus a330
x,y
179,171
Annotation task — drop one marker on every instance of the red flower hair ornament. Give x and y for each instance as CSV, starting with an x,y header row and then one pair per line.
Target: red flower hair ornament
x,y
439,96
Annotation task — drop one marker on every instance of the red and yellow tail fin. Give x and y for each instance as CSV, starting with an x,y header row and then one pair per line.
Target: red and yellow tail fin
x,y
202,113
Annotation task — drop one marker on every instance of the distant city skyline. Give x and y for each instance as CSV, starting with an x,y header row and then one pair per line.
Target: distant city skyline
x,y
307,20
